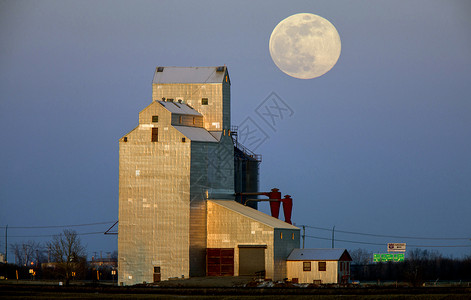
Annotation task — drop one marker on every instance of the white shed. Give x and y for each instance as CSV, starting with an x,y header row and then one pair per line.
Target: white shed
x,y
319,266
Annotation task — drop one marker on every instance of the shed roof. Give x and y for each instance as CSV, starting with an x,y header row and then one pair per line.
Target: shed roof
x,y
319,254
254,214
189,74
180,108
196,134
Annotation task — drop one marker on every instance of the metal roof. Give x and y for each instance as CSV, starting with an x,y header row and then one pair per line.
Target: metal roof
x,y
316,254
254,214
189,75
196,134
180,108
216,134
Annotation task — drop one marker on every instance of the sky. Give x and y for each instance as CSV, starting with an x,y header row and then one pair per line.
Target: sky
x,y
380,144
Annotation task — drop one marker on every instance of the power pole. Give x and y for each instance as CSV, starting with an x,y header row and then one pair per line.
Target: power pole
x,y
6,244
333,232
304,234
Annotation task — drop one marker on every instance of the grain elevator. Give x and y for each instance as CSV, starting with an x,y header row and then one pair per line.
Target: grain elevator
x,y
180,170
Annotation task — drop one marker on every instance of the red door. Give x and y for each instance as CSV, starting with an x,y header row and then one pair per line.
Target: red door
x,y
220,262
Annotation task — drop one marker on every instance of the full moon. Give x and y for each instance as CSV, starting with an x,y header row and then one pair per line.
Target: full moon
x,y
305,46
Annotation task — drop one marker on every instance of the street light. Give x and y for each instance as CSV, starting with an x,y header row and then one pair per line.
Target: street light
x,y
113,272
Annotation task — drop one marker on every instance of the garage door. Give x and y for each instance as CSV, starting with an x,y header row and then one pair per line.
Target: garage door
x,y
251,260
220,262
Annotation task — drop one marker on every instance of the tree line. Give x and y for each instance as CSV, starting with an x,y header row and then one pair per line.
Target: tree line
x,y
63,258
419,266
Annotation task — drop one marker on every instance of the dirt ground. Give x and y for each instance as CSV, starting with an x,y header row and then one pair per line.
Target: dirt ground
x,y
227,281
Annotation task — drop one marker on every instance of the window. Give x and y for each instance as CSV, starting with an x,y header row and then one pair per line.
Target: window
x,y
156,269
322,266
180,119
204,101
281,235
292,236
194,121
183,140
155,134
307,266
155,119
125,139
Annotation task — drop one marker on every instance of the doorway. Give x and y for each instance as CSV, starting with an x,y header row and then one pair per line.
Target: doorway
x,y
251,260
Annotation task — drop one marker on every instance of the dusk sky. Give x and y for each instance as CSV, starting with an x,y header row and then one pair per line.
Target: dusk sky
x,y
381,144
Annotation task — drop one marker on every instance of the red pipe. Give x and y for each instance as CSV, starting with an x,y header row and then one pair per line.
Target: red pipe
x,y
287,208
275,208
275,205
275,202
274,194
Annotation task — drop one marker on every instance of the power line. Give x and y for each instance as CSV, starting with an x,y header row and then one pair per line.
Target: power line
x,y
389,236
51,235
338,240
56,226
378,244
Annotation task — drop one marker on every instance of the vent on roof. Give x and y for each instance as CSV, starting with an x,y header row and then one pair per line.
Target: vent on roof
x,y
160,69
220,69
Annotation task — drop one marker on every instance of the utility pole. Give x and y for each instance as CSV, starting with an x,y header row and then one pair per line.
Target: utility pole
x,y
333,232
6,244
304,234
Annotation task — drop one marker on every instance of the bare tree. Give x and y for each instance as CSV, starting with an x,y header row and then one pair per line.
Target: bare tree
x,y
68,253
26,252
361,256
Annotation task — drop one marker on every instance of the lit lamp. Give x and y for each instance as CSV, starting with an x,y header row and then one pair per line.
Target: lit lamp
x,y
113,272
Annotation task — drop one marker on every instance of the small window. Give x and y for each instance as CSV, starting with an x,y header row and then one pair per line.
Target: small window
x,y
292,236
226,78
204,101
194,120
281,235
125,139
307,266
180,119
156,269
155,134
322,266
169,99
155,119
183,140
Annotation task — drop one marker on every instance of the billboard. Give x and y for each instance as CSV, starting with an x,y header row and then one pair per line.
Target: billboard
x,y
396,247
384,257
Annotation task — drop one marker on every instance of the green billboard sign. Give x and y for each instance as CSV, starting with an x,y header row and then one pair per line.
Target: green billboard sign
x,y
382,257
